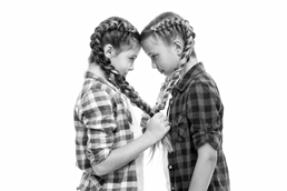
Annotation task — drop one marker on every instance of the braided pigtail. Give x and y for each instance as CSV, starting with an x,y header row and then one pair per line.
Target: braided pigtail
x,y
117,32
167,26
130,92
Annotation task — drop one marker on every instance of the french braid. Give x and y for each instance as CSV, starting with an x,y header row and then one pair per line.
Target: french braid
x,y
166,26
180,26
117,32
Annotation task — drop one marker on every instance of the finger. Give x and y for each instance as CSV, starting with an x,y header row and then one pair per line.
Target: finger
x,y
145,117
158,116
168,127
165,119
162,116
166,123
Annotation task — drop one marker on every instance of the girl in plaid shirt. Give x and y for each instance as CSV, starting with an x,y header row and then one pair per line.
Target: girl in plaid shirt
x,y
196,159
106,148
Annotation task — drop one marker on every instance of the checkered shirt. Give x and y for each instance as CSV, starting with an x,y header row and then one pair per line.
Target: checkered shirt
x,y
195,114
102,123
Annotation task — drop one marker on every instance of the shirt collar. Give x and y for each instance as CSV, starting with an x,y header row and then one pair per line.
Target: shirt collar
x,y
94,76
189,76
90,74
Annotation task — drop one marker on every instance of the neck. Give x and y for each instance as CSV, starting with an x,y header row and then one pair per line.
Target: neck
x,y
96,69
192,61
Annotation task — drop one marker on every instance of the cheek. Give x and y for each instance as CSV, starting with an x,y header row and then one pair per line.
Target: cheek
x,y
126,64
171,63
119,65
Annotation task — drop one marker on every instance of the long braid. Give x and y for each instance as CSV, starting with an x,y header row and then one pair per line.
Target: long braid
x,y
186,30
130,92
165,26
124,32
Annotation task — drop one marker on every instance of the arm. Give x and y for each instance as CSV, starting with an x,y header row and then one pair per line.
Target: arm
x,y
123,155
204,116
204,168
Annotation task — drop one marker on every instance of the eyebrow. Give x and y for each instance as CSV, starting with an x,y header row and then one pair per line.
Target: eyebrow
x,y
153,54
150,53
133,56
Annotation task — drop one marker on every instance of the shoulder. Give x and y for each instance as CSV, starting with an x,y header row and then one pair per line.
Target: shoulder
x,y
97,91
203,83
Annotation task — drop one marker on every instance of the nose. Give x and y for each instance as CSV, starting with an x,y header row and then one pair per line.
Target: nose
x,y
153,65
131,67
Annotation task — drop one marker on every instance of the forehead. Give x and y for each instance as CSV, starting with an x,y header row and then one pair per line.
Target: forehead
x,y
130,50
152,43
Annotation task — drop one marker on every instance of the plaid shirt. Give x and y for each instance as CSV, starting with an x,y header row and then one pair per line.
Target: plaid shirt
x,y
102,123
195,114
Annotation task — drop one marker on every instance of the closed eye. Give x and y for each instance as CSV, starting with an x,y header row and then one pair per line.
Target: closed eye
x,y
154,57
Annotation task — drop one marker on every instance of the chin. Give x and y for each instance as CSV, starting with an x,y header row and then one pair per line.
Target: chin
x,y
164,73
167,73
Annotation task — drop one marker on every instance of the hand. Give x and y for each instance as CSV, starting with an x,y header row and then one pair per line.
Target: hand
x,y
157,127
144,120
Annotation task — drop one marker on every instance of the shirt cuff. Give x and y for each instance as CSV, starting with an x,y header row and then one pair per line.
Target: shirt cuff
x,y
98,155
202,137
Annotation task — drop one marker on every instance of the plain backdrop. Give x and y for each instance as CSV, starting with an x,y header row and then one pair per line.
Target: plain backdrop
x,y
44,47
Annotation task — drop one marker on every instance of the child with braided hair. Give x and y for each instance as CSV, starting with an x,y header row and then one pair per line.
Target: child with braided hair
x,y
196,161
106,146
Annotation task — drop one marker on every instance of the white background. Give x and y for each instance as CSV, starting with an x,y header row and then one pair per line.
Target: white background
x,y
44,47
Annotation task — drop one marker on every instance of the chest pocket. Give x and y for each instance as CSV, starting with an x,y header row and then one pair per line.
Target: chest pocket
x,y
179,123
180,130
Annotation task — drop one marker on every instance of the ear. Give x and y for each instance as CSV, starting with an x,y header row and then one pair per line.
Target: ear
x,y
178,45
109,51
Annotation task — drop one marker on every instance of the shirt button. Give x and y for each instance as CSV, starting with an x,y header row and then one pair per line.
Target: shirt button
x,y
169,167
172,188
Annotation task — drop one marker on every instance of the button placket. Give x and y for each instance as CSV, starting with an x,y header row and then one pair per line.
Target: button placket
x,y
171,168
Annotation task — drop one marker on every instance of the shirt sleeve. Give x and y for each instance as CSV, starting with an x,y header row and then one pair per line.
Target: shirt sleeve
x,y
98,117
203,113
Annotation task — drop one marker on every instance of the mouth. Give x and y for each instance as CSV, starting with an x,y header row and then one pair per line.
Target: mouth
x,y
161,71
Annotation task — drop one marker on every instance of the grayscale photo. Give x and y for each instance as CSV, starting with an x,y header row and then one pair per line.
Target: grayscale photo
x,y
143,95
